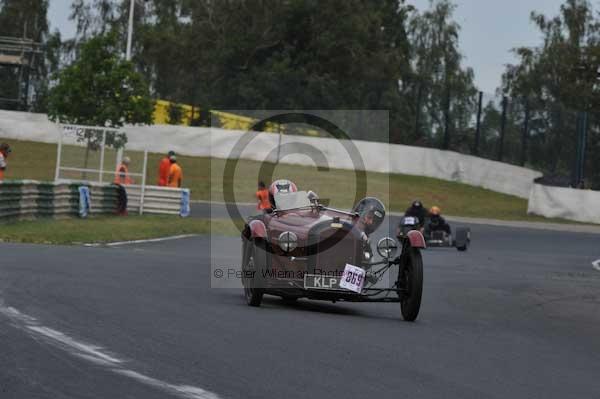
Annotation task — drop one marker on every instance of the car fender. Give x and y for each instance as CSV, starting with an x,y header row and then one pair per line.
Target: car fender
x,y
416,239
257,229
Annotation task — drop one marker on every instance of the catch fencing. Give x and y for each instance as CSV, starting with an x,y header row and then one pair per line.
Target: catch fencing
x,y
542,134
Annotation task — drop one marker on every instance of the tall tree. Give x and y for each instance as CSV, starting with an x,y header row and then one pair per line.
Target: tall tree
x,y
559,79
438,76
265,53
100,89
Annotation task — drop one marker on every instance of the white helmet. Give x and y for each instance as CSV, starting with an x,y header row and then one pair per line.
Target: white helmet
x,y
282,186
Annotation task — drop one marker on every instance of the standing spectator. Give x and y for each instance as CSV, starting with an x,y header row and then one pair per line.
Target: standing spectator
x,y
175,173
262,195
122,174
4,151
163,169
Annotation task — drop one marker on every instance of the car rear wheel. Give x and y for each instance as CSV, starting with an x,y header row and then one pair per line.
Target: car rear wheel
x,y
255,260
410,279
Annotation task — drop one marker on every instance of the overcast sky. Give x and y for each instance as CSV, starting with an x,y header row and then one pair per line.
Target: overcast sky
x,y
490,29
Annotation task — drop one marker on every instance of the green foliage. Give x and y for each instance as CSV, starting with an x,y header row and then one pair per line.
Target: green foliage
x,y
273,54
100,89
175,114
438,77
559,79
298,54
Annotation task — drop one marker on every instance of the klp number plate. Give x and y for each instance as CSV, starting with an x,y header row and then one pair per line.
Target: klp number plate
x,y
353,278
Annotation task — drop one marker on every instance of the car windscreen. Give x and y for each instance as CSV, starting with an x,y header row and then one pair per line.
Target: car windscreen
x,y
287,201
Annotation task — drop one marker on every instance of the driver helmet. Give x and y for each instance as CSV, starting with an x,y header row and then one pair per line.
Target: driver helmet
x,y
417,204
282,186
435,211
371,213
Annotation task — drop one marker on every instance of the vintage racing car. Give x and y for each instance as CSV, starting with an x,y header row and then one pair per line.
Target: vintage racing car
x,y
303,249
436,238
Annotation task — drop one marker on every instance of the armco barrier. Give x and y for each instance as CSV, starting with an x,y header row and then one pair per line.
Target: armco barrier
x,y
566,203
26,199
158,200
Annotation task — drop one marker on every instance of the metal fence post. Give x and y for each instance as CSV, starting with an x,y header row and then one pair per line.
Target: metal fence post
x,y
418,112
447,120
583,147
58,154
101,174
579,171
478,130
278,143
525,134
502,128
119,157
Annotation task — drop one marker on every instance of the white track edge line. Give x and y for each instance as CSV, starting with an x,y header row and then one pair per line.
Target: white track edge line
x,y
150,240
97,355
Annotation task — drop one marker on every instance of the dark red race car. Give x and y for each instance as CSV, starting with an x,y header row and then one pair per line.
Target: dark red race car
x,y
303,249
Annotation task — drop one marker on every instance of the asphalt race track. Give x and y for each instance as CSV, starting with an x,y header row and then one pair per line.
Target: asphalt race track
x,y
518,316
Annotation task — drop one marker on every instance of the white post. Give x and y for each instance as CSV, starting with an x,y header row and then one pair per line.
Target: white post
x,y
143,191
119,157
58,154
101,174
279,143
130,30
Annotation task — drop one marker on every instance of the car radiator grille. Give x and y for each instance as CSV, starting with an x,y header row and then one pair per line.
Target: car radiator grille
x,y
333,249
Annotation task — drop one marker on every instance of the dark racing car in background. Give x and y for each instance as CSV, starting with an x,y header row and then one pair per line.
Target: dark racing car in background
x,y
303,249
435,238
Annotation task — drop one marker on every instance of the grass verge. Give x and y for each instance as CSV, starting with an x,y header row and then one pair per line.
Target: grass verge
x,y
31,160
109,229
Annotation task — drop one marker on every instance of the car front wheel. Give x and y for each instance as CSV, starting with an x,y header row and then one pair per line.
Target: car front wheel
x,y
255,260
410,279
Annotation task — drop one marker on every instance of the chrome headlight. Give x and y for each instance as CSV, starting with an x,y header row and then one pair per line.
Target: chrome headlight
x,y
288,241
387,247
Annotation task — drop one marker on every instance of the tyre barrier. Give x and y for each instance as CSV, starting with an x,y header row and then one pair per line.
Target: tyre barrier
x,y
30,199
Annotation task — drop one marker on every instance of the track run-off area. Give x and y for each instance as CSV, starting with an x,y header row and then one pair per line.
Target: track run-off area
x,y
516,316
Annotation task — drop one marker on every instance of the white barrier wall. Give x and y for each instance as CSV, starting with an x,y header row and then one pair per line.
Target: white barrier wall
x,y
377,157
566,203
27,126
